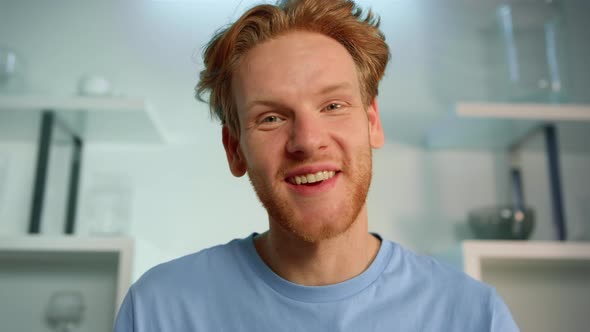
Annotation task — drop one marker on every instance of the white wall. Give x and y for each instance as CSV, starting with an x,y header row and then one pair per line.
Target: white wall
x,y
181,197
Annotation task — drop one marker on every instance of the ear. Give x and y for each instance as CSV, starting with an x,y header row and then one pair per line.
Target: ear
x,y
376,137
235,159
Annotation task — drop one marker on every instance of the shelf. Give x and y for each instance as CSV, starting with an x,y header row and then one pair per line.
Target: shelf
x,y
32,268
63,244
546,285
517,251
525,111
497,126
94,119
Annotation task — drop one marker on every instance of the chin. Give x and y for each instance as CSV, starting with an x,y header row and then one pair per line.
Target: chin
x,y
314,230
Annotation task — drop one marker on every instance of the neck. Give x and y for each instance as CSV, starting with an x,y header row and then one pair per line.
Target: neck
x,y
325,262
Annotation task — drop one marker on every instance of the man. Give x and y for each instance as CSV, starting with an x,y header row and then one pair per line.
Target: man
x,y
294,86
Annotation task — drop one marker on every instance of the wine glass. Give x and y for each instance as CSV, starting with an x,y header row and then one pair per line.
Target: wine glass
x,y
8,64
65,310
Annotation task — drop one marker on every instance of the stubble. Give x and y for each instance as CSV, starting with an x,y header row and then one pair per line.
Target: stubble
x,y
285,215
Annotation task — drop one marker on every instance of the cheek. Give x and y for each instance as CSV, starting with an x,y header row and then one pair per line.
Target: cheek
x,y
354,134
260,154
263,143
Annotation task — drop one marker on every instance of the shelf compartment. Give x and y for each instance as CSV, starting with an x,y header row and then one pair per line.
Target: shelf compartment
x,y
33,267
546,285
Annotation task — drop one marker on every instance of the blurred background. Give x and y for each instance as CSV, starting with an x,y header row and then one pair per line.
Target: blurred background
x,y
465,104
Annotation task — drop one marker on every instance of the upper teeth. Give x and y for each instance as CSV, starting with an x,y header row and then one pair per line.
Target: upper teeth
x,y
312,177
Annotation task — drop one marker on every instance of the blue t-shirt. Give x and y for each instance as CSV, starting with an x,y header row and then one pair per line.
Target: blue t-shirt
x,y
230,288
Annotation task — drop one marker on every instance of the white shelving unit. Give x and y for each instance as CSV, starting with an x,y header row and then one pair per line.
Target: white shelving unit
x,y
94,119
33,267
546,285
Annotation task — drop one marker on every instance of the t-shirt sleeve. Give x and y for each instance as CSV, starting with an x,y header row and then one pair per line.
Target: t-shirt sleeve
x,y
125,318
502,320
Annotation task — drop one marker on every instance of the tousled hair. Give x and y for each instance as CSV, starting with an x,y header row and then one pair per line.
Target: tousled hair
x,y
341,20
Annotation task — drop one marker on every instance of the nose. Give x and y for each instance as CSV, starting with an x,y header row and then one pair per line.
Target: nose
x,y
307,135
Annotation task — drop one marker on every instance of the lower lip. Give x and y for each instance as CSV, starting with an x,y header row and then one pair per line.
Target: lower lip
x,y
322,187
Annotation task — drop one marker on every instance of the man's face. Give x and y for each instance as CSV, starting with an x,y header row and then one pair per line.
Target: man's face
x,y
305,135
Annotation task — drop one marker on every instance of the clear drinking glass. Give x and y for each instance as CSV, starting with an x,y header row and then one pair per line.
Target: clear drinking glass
x,y
65,310
531,52
10,67
8,64
109,204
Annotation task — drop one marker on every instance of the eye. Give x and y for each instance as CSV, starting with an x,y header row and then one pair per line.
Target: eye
x,y
270,119
332,107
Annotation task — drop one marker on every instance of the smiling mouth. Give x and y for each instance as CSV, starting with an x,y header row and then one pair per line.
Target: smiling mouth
x,y
311,178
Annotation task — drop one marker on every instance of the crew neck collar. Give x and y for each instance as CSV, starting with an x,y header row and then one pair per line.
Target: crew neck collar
x,y
318,294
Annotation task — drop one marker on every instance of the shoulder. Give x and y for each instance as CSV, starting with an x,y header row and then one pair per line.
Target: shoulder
x,y
182,287
439,282
195,270
429,270
451,295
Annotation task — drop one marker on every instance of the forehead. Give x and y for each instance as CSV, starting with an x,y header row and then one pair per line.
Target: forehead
x,y
293,66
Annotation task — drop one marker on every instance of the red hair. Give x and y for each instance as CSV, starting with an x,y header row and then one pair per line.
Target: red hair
x,y
341,20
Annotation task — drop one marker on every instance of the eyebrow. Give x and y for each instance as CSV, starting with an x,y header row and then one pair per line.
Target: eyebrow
x,y
323,91
335,87
268,103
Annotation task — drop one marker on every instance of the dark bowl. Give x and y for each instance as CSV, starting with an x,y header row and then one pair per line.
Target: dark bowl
x,y
502,223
